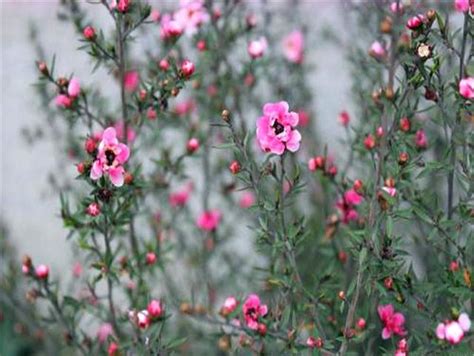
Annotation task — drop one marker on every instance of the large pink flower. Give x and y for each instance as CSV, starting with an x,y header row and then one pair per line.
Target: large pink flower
x,y
293,46
209,220
253,310
453,330
110,158
466,87
393,322
276,129
191,15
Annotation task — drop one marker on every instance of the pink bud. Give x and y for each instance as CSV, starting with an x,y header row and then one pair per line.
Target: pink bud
x,y
93,209
143,320
155,309
89,33
155,15
42,271
416,22
201,45
63,101
257,48
113,349
466,87
369,142
151,114
377,50
90,145
150,258
361,323
131,80
344,118
396,7
164,65
192,145
379,132
187,68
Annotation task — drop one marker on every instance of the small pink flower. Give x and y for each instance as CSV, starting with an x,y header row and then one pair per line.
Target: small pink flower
x,y
304,118
393,322
192,145
229,306
187,68
123,5
346,205
155,309
253,310
396,7
276,129
191,15
77,269
344,118
466,87
377,50
420,139
461,5
143,320
369,142
150,258
42,271
180,197
110,158
257,48
361,323
416,22
105,330
93,209
151,114
170,28
247,199
313,342
113,349
185,107
74,88
351,197
155,15
131,79
209,220
293,47
63,101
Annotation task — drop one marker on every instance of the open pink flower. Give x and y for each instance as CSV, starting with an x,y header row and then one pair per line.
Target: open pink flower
x,y
253,310
453,330
110,158
180,197
209,220
276,129
466,87
257,48
461,5
191,15
393,322
105,330
293,46
229,306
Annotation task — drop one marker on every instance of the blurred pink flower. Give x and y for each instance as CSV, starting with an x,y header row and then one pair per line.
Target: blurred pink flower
x,y
209,220
253,309
393,322
466,87
257,48
293,47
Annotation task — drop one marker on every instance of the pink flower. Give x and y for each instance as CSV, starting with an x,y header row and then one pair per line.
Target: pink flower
x,y
155,309
416,22
42,271
453,330
466,87
420,139
105,330
170,28
313,342
344,118
390,191
123,5
93,209
131,80
74,88
77,269
247,199
396,7
180,197
150,258
209,220
275,129
187,68
143,320
377,50
63,101
253,310
229,306
257,48
191,15
461,5
393,322
110,158
402,348
304,118
113,349
293,46
352,198
151,114
164,64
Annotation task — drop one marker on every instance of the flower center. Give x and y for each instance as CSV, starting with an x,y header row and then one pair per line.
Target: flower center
x,y
279,128
110,156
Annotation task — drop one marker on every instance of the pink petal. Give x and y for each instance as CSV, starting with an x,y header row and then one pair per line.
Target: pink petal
x,y
116,176
110,136
464,322
263,310
96,171
386,333
293,144
440,331
124,153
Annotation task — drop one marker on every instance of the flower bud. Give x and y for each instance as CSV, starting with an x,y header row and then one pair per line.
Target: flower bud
x,y
342,256
390,182
341,295
388,283
89,33
150,258
113,349
90,145
332,171
234,167
186,308
225,115
42,271
93,209
155,309
369,142
187,68
454,266
361,323
164,65
128,178
262,329
403,158
358,186
192,145
201,45
224,343
386,25
430,94
43,68
405,124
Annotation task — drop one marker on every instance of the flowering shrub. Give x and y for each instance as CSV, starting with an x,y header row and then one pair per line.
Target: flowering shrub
x,y
209,215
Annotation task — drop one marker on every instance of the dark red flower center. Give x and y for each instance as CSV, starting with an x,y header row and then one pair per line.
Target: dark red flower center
x,y
110,156
279,128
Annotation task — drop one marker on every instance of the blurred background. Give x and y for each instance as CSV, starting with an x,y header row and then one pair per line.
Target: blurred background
x,y
29,204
